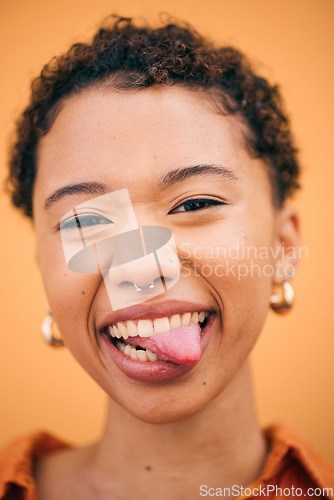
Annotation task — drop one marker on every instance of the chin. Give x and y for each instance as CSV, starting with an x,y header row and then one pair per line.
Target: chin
x,y
166,415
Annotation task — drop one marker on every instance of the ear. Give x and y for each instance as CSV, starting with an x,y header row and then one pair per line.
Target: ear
x,y
287,245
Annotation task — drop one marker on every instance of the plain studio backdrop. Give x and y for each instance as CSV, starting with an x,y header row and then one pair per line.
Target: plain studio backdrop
x,y
290,42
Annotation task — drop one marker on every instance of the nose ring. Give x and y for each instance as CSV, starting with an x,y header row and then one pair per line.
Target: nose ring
x,y
138,288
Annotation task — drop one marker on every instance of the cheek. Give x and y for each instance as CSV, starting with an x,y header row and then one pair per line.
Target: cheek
x,y
69,294
235,260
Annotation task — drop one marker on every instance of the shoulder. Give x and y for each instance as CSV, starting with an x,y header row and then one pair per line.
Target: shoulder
x,y
17,464
293,462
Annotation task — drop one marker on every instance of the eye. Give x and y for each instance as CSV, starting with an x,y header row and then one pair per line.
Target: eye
x,y
84,221
196,204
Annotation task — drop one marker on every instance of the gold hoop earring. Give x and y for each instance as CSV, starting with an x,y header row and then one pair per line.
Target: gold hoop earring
x,y
282,302
48,336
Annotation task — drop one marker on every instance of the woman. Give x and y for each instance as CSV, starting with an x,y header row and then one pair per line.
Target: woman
x,y
156,169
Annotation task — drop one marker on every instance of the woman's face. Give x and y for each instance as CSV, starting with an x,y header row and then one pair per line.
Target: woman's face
x,y
134,141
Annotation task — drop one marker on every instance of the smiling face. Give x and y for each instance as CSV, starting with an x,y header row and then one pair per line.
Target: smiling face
x,y
185,168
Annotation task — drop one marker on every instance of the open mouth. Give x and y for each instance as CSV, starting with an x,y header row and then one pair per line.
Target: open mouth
x,y
176,338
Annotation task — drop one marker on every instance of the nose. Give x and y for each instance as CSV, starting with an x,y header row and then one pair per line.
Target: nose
x,y
144,264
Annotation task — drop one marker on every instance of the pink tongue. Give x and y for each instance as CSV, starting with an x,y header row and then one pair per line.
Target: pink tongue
x,y
180,346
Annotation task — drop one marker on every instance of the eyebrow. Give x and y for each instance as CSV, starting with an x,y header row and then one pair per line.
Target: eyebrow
x,y
181,174
81,188
171,178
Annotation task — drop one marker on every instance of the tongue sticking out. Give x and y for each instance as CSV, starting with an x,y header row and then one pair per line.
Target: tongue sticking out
x,y
181,346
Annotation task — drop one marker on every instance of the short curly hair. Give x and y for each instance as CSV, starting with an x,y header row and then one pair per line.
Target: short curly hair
x,y
132,57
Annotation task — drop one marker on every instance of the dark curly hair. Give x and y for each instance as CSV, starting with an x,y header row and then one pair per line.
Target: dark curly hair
x,y
129,57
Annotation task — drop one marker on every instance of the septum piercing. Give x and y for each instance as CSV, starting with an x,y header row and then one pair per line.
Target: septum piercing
x,y
138,288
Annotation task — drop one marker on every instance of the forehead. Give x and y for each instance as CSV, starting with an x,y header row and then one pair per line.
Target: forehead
x,y
133,140
96,129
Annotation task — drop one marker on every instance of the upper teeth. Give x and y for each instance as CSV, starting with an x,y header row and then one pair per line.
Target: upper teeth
x,y
147,327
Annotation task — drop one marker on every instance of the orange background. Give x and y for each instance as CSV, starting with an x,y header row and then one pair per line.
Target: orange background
x,y
291,42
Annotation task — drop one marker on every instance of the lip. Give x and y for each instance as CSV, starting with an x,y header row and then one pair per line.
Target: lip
x,y
151,311
154,371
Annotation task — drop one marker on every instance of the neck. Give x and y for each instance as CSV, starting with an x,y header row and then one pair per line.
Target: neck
x,y
220,446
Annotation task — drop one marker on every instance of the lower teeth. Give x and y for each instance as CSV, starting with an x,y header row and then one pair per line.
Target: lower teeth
x,y
136,355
